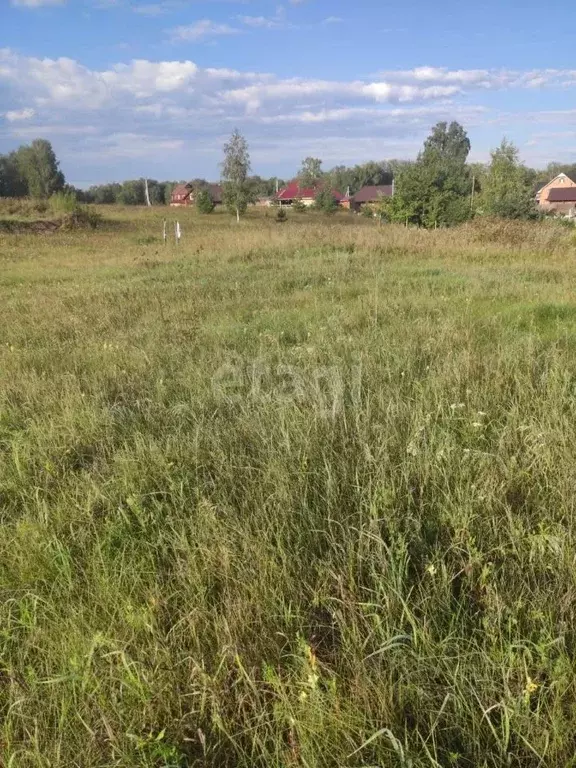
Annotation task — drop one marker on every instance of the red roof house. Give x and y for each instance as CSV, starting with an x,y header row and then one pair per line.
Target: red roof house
x,y
307,195
181,194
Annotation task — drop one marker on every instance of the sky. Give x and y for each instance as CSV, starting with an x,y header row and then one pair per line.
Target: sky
x,y
132,88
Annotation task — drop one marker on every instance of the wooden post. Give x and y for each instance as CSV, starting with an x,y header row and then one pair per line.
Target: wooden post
x,y
164,231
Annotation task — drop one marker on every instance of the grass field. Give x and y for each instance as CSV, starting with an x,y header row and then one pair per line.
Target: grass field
x,y
287,495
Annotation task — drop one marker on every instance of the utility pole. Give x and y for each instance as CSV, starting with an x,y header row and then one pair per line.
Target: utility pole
x,y
146,193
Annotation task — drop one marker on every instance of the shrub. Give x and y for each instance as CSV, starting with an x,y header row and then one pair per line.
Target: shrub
x,y
325,201
298,206
281,215
83,216
64,202
204,202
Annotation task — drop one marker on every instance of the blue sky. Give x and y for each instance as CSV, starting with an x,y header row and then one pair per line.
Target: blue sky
x,y
126,88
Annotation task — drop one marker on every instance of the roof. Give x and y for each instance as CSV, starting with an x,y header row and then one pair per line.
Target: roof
x,y
571,177
181,189
566,195
371,194
294,191
185,189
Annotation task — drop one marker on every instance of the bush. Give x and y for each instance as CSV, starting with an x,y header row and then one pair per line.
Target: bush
x,y
325,201
204,202
281,215
83,216
298,206
64,202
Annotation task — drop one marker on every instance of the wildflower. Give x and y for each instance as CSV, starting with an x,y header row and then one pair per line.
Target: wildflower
x,y
481,413
457,406
531,687
477,424
313,679
431,569
312,660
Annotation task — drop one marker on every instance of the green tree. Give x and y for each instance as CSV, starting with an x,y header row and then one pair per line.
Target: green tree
x,y
12,182
40,168
448,143
508,185
435,190
370,174
325,200
235,170
203,200
340,177
310,173
132,192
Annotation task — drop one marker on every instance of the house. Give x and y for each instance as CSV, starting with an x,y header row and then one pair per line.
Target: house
x,y
561,183
184,194
306,195
561,201
181,194
369,195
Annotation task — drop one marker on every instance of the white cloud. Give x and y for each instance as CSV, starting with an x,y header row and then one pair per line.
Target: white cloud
x,y
201,30
35,3
333,20
15,115
162,110
262,22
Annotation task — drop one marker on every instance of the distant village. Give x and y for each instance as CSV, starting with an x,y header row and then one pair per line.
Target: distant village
x,y
557,196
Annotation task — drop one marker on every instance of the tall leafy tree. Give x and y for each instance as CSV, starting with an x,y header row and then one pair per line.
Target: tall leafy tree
x,y
132,192
435,190
40,168
12,181
508,186
235,169
449,143
310,173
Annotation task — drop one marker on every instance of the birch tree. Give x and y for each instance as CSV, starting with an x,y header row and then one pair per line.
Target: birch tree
x,y
235,170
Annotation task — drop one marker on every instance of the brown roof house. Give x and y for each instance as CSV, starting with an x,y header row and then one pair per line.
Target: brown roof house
x,y
184,194
370,195
562,201
545,196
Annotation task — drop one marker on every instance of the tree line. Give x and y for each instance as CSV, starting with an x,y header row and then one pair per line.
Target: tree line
x,y
439,188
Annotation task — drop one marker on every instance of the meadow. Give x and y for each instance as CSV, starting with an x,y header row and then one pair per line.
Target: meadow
x,y
293,494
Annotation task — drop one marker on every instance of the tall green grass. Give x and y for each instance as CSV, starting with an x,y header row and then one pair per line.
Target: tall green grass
x,y
287,496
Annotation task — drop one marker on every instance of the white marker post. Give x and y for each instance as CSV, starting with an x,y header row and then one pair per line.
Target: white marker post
x,y
164,231
177,232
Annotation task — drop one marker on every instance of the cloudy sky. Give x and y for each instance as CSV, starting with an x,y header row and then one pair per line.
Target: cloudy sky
x,y
126,88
